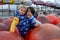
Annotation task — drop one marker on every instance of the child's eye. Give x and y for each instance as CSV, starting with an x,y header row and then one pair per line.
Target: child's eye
x,y
21,10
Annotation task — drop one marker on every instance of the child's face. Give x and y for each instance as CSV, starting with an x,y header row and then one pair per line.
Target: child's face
x,y
29,14
22,11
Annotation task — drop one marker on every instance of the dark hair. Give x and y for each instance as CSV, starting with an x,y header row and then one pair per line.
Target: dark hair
x,y
31,9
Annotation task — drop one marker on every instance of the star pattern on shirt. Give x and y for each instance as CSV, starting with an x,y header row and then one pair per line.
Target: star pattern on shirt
x,y
26,29
24,23
21,29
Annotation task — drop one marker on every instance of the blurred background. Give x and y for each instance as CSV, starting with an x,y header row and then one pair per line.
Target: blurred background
x,y
7,7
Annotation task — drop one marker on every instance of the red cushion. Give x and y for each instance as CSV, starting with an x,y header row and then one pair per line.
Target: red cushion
x,y
53,19
45,32
6,35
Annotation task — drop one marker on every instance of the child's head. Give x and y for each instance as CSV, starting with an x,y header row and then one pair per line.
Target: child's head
x,y
22,10
30,10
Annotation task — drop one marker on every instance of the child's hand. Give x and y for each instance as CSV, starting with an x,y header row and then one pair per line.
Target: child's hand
x,y
11,17
36,25
29,15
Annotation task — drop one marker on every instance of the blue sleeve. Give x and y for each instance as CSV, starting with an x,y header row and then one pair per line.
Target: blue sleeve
x,y
36,14
16,13
33,20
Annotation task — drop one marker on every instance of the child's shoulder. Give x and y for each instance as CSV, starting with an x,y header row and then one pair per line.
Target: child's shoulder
x,y
16,13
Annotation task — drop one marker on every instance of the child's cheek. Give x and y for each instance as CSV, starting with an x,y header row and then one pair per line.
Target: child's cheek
x,y
23,12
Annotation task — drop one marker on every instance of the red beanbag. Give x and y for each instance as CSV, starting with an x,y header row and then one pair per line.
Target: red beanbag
x,y
59,18
16,31
43,19
8,22
53,19
1,20
3,27
45,32
6,35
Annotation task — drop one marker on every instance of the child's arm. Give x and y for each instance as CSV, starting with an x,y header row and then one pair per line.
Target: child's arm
x,y
34,21
16,13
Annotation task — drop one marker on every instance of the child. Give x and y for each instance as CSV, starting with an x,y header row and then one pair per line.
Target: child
x,y
31,16
26,21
